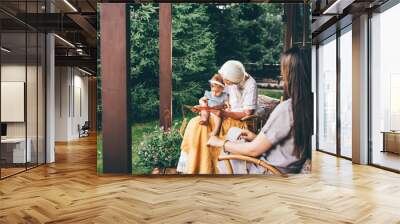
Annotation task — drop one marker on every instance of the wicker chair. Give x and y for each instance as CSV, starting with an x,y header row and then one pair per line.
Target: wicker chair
x,y
255,123
268,167
265,106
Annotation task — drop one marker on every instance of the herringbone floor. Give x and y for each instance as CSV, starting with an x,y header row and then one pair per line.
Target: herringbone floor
x,y
70,191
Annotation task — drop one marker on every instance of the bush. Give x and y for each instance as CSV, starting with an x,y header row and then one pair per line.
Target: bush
x,y
145,103
160,149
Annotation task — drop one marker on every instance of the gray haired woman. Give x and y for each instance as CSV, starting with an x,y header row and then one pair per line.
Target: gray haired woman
x,y
196,156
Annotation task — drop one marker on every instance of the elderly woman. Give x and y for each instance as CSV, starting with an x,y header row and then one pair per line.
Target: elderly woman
x,y
285,140
196,156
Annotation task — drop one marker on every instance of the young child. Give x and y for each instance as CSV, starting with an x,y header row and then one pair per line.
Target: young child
x,y
217,99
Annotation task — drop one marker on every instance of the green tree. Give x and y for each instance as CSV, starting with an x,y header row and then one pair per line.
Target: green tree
x,y
251,33
204,37
193,52
144,57
193,56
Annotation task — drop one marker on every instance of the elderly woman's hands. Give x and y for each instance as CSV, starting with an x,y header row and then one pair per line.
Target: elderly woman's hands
x,y
214,141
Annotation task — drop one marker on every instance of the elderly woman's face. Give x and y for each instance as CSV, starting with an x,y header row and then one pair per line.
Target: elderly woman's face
x,y
228,83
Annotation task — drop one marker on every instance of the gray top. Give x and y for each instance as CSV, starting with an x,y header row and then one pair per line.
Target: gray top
x,y
215,100
278,130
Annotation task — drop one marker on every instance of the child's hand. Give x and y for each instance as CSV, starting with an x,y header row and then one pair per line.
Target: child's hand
x,y
195,109
203,101
247,135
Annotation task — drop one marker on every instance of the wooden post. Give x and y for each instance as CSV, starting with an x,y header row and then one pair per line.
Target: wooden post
x,y
165,22
116,128
306,14
288,35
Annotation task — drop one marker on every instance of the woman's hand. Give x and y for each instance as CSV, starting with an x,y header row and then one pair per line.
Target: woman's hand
x,y
214,141
247,135
227,106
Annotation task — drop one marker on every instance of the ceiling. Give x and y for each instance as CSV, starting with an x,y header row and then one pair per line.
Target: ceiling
x,y
329,15
74,22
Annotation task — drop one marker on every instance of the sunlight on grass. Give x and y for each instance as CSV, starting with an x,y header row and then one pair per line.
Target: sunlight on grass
x,y
100,153
274,93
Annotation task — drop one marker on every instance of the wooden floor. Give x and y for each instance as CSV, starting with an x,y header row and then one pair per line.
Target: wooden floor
x,y
386,159
5,172
70,191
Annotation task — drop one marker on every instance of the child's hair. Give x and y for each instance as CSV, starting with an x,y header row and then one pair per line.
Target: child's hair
x,y
218,78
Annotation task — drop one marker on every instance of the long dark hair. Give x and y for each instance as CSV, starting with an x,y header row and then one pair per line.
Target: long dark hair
x,y
296,73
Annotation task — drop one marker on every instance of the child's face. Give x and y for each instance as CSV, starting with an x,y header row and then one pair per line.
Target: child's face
x,y
216,89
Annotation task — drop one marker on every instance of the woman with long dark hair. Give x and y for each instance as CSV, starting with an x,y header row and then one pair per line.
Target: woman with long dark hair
x,y
285,139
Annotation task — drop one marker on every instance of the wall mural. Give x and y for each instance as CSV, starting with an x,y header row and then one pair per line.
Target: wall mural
x,y
241,97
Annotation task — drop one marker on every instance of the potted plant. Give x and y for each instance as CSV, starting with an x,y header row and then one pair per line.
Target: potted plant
x,y
160,150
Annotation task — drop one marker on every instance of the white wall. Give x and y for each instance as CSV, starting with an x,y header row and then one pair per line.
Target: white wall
x,y
61,103
12,73
80,111
17,73
13,100
71,102
33,126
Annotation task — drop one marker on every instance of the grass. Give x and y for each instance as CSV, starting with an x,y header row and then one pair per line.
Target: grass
x,y
99,153
274,93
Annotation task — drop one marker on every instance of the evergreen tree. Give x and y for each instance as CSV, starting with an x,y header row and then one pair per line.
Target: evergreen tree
x,y
250,33
193,52
144,61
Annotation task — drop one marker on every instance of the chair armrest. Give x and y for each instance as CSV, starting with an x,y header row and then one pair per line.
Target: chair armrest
x,y
256,161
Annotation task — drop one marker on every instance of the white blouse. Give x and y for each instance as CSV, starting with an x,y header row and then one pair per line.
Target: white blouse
x,y
245,99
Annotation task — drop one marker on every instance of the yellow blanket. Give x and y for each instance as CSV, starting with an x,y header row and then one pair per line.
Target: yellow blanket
x,y
202,159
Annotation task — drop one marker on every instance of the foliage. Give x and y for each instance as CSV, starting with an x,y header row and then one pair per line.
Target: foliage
x,y
141,129
144,55
204,37
160,149
250,33
99,108
193,52
145,101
